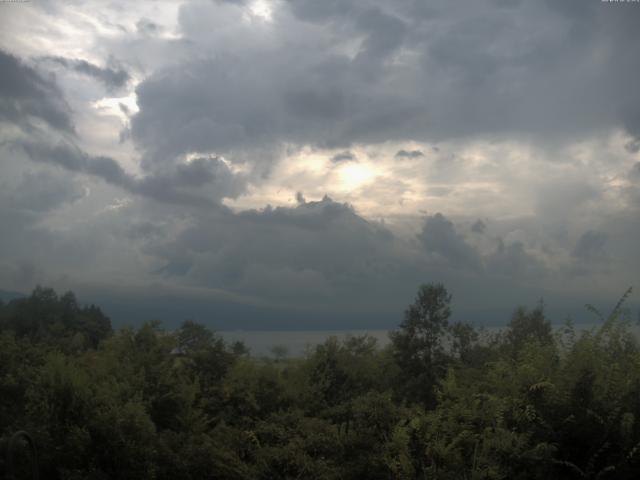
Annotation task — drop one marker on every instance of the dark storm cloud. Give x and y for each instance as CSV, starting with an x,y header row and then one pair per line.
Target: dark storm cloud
x,y
440,237
345,156
26,95
314,252
438,72
172,187
512,261
409,154
323,256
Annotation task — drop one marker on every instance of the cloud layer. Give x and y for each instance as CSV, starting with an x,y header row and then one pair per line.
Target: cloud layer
x,y
319,160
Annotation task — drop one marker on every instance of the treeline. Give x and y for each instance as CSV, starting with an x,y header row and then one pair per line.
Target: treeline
x,y
441,401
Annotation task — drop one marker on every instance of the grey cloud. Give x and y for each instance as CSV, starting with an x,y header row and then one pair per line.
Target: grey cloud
x,y
591,246
559,198
479,227
319,247
439,236
183,111
145,26
409,154
26,95
173,187
41,192
27,198
111,77
440,191
507,3
310,10
513,261
439,73
385,34
144,230
345,156
124,135
322,254
32,195
177,186
24,273
315,102
633,146
199,171
332,74
72,158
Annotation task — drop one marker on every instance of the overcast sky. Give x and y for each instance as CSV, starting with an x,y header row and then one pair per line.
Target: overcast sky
x,y
307,164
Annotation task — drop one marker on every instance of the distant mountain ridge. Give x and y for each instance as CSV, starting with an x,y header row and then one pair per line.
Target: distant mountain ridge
x,y
7,295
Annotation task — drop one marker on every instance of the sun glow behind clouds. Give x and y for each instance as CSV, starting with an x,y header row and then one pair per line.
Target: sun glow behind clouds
x,y
262,9
119,106
354,175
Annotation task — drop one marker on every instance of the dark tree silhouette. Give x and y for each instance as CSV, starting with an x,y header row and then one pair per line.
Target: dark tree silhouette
x,y
418,344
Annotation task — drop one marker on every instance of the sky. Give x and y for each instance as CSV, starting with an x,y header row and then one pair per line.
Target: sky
x,y
300,164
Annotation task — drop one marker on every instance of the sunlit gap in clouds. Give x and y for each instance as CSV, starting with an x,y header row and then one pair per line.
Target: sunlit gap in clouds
x,y
355,175
262,9
121,107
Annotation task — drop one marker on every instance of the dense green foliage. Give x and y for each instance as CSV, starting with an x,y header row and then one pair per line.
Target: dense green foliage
x,y
442,401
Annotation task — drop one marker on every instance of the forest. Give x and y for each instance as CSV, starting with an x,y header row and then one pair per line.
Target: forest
x,y
444,400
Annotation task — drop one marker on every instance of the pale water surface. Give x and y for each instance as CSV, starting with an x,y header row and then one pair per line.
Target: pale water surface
x,y
297,342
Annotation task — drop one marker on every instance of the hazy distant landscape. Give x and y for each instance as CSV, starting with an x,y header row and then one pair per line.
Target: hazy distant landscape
x,y
437,399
